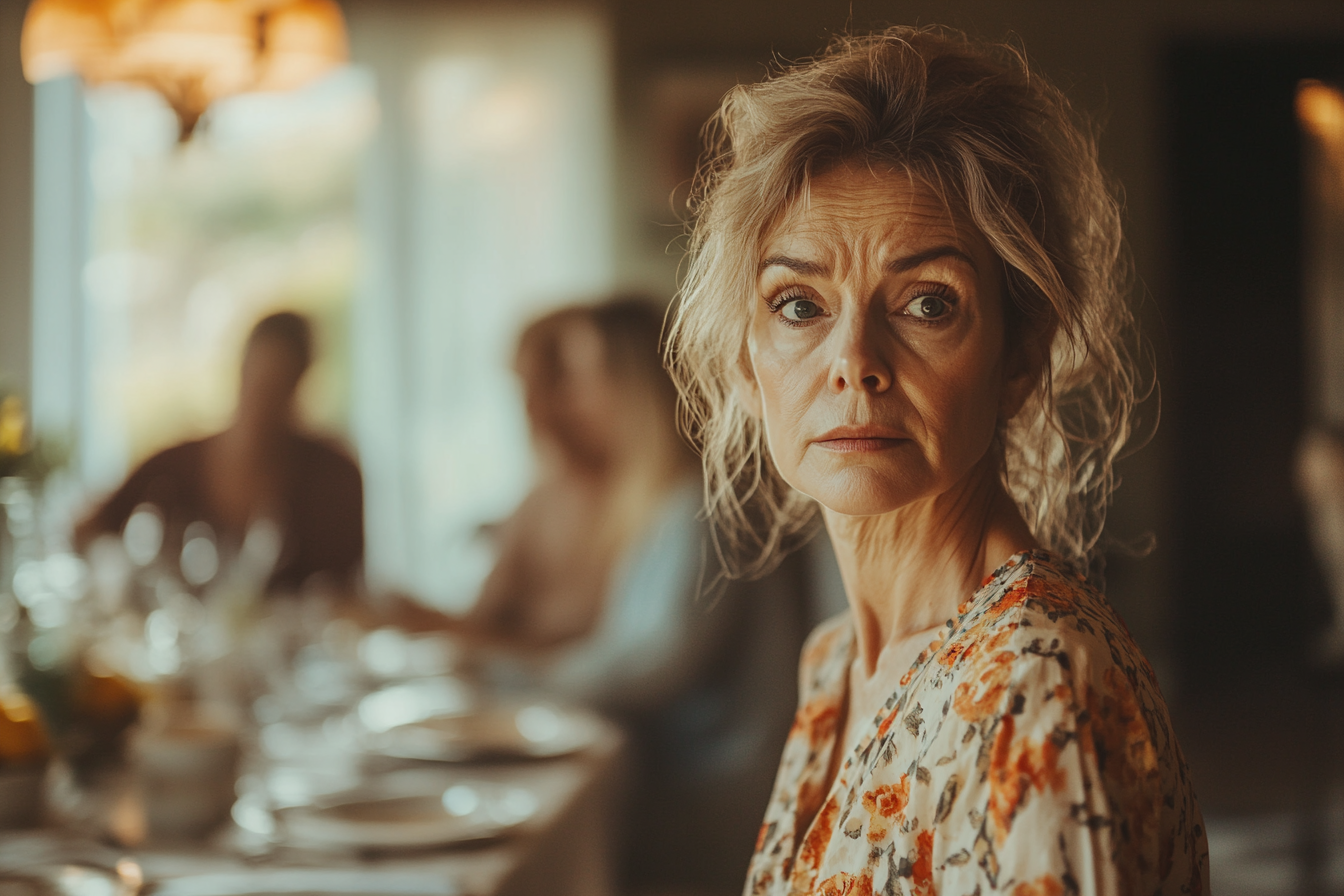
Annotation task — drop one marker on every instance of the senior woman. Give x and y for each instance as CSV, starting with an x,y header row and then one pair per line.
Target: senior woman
x,y
904,305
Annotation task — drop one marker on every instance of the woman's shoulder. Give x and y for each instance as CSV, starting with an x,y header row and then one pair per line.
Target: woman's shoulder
x,y
1032,581
828,642
1076,701
1048,616
1035,739
826,655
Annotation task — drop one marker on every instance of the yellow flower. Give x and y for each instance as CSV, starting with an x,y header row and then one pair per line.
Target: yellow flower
x,y
13,425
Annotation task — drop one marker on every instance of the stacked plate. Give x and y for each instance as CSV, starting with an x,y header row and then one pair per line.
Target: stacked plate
x,y
503,730
409,810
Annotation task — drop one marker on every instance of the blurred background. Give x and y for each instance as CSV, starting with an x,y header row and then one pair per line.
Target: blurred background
x,y
475,165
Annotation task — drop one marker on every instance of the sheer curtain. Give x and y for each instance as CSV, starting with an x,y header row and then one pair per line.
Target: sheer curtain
x,y
486,198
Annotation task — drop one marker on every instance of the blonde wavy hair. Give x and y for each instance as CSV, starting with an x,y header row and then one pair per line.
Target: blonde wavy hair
x,y
1004,149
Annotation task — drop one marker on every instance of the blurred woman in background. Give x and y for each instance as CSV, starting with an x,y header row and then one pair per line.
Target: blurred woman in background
x,y
904,305
262,469
604,587
602,417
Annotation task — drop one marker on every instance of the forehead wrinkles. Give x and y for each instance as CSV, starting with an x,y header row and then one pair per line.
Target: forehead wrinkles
x,y
850,219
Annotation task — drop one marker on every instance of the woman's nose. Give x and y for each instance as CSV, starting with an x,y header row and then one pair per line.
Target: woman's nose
x,y
861,360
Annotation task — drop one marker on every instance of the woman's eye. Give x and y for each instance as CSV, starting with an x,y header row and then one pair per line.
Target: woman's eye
x,y
928,307
800,309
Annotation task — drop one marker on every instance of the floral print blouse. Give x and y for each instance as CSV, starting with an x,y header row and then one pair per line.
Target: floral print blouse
x,y
1027,751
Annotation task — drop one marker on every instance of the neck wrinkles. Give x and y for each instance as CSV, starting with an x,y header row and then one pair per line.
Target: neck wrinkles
x,y
908,570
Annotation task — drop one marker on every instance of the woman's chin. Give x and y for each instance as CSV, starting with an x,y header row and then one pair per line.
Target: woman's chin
x,y
861,507
864,492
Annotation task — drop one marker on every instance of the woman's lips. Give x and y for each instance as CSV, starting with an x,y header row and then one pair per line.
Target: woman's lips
x,y
861,439
849,445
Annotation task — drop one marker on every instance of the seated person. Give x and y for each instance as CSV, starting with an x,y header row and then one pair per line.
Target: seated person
x,y
607,588
262,467
601,414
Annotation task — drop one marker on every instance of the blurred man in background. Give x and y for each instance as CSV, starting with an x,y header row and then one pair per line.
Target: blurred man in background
x,y
261,474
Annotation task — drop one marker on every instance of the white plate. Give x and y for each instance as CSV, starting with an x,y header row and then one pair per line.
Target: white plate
x,y
535,730
405,812
415,701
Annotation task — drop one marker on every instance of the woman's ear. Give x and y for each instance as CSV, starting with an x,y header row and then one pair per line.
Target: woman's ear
x,y
745,388
1023,364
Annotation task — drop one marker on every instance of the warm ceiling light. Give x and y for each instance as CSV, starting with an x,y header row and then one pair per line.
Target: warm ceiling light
x,y
191,51
1320,108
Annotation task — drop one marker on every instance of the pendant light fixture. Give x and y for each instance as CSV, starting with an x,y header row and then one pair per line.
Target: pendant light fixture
x,y
193,52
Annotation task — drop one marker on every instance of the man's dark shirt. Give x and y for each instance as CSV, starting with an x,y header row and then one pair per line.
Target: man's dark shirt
x,y
322,505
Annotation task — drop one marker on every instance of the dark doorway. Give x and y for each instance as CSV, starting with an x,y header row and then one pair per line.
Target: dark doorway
x,y
1249,591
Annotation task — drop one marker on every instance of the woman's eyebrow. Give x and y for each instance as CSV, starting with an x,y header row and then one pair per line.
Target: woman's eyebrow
x,y
910,262
896,265
797,265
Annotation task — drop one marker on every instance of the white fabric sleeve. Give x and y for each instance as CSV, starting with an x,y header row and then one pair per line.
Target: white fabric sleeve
x,y
647,643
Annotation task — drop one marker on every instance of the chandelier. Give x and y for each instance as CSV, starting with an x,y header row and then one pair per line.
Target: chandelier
x,y
193,52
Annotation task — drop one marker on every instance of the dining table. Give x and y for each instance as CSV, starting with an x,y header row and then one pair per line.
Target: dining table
x,y
528,803
565,848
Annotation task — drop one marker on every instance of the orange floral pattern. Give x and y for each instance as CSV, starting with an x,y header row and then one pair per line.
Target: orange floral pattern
x,y
1027,751
886,804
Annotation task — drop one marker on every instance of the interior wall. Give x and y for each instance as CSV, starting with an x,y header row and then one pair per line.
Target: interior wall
x,y
16,208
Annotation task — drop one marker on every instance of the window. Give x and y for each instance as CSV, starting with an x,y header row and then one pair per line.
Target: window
x,y
486,199
421,205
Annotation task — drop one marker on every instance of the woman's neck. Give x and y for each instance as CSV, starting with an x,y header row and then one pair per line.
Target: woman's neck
x,y
907,571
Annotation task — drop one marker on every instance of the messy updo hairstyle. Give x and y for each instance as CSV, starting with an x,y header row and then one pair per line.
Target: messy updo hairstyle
x,y
1004,150
626,330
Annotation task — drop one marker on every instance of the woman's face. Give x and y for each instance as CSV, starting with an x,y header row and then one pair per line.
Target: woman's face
x,y
575,407
877,344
